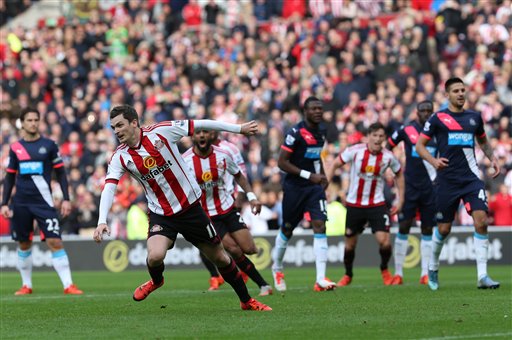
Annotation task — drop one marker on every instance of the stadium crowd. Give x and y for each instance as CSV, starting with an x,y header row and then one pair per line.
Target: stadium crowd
x,y
257,59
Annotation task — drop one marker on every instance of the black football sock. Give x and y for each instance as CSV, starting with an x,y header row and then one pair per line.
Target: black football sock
x,y
348,259
156,273
209,265
232,275
385,255
248,267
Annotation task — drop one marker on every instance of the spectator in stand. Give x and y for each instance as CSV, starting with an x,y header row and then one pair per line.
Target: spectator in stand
x,y
500,206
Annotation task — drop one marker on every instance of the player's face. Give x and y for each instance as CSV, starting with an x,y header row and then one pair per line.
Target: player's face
x,y
202,140
375,140
31,123
314,112
124,130
424,113
457,95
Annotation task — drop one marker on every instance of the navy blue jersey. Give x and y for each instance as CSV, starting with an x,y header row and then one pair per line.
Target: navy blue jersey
x,y
455,136
306,146
418,172
33,163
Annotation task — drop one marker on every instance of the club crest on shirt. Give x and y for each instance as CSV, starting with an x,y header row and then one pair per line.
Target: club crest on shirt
x,y
158,144
426,127
472,122
149,162
290,140
156,228
179,123
206,176
369,168
42,150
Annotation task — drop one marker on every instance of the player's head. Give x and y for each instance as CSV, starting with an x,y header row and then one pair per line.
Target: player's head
x,y
215,136
425,110
376,136
29,118
456,93
202,140
124,120
313,110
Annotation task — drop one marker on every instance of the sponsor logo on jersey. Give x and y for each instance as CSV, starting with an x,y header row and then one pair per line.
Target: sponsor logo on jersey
x,y
179,123
460,138
31,168
149,162
431,150
472,122
155,171
313,153
42,150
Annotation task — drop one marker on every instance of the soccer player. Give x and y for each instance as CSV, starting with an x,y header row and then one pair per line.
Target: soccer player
x,y
365,200
31,162
458,178
211,164
151,156
304,191
419,193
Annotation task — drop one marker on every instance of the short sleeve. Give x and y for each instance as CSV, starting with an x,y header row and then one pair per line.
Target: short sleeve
x,y
480,130
347,155
231,166
290,140
396,137
55,156
430,127
394,164
13,163
174,130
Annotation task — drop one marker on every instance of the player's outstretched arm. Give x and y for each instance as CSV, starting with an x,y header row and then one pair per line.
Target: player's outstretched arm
x,y
107,197
248,129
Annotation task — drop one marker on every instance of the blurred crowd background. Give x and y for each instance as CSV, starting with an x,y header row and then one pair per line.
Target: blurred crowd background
x,y
237,60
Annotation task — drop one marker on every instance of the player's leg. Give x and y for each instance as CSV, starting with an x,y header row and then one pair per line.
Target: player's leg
x,y
428,221
22,231
379,221
231,274
238,243
215,278
476,205
356,219
400,249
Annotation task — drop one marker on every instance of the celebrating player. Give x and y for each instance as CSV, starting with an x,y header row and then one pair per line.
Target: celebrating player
x,y
151,156
458,178
365,200
211,164
31,161
304,191
419,193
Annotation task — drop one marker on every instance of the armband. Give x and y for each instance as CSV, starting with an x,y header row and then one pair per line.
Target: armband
x,y
251,196
305,174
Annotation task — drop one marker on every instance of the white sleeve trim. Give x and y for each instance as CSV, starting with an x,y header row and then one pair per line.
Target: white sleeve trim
x,y
107,198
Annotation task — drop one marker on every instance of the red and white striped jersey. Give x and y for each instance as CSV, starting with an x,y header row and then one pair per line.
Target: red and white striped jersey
x,y
158,166
367,174
235,153
210,172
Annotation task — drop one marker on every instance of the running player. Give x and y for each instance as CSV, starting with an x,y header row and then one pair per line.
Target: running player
x,y
31,162
365,200
151,156
458,176
419,193
304,191
210,164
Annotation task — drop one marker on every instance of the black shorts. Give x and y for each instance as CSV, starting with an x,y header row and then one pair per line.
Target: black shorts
x,y
193,224
300,200
228,223
22,228
376,217
422,200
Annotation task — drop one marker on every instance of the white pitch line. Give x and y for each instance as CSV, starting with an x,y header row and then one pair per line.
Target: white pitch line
x,y
469,336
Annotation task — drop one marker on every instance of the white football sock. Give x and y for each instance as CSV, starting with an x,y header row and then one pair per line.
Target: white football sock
x,y
60,262
437,246
400,251
481,244
280,249
426,253
25,266
320,249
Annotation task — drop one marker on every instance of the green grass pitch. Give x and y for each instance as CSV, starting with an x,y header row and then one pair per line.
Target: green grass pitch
x,y
183,308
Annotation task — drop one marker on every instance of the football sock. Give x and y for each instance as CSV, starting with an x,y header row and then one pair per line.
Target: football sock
x,y
348,260
437,246
60,262
156,273
320,249
248,267
385,255
481,244
212,269
426,252
25,266
399,252
232,275
278,255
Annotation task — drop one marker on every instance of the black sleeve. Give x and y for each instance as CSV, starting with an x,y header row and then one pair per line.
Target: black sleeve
x,y
8,185
63,181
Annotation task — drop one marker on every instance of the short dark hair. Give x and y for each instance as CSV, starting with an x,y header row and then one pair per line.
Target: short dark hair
x,y
310,99
425,102
127,111
452,81
376,126
26,111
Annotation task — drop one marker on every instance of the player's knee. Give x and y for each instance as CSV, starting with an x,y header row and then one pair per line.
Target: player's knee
x,y
250,250
25,245
235,252
54,244
155,257
426,230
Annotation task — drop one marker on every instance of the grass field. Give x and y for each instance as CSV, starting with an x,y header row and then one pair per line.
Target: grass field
x,y
183,308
